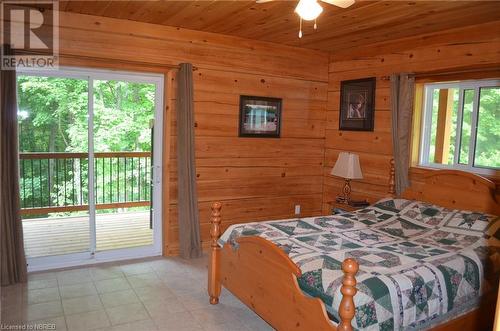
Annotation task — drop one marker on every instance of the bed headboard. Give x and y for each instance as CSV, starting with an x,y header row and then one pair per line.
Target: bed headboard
x,y
452,189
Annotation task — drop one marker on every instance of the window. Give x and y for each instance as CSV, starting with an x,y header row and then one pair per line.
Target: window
x,y
461,126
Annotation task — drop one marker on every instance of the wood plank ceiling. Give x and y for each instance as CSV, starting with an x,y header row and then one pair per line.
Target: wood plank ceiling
x,y
363,24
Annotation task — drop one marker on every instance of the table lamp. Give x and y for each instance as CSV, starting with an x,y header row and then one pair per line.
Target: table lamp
x,y
347,167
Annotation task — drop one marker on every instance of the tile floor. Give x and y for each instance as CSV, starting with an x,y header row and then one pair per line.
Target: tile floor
x,y
154,294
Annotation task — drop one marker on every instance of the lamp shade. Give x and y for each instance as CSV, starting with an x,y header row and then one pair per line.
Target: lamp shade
x,y
347,166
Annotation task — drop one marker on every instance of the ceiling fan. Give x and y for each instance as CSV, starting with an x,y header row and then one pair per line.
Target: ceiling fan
x,y
310,9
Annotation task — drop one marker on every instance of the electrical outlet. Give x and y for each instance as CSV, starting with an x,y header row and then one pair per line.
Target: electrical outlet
x,y
297,209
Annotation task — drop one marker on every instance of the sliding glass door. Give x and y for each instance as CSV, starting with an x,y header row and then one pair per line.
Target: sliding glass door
x,y
123,116
53,164
90,144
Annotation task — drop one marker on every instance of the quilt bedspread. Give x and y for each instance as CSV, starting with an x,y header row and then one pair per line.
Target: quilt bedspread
x,y
418,262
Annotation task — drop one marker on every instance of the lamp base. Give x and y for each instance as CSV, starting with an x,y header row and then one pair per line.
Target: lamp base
x,y
341,199
346,193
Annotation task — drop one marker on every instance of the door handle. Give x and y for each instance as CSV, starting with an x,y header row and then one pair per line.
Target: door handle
x,y
156,174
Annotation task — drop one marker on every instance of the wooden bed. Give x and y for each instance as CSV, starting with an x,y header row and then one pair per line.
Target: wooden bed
x,y
263,277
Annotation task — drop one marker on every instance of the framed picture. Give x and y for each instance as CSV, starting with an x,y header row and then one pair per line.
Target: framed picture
x,y
357,104
260,117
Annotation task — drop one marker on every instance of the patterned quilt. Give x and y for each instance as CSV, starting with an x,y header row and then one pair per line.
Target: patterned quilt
x,y
420,264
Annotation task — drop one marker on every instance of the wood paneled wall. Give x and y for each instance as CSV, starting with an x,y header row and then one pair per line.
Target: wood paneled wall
x,y
476,47
255,179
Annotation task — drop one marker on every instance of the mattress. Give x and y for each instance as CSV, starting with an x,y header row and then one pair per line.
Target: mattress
x,y
420,264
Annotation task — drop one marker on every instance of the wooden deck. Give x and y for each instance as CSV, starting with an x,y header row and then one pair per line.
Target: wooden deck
x,y
55,236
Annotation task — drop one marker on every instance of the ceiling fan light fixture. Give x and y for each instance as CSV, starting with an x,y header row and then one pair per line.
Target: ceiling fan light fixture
x,y
308,9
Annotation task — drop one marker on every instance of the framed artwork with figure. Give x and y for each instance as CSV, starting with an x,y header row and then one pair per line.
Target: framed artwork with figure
x,y
357,104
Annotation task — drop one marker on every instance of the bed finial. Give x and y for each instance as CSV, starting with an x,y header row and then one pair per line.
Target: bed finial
x,y
392,179
215,224
214,285
350,268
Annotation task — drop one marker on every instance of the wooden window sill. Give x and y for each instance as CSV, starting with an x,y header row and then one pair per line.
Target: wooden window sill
x,y
420,170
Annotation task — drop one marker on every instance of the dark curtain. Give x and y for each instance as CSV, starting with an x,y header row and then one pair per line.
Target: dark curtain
x,y
189,225
13,261
402,97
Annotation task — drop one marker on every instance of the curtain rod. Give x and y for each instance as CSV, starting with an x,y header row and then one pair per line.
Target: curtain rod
x,y
99,59
446,73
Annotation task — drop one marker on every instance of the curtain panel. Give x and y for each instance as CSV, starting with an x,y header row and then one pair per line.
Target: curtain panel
x,y
402,97
189,225
13,261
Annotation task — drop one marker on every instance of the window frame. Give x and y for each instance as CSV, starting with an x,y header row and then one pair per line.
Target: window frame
x,y
426,125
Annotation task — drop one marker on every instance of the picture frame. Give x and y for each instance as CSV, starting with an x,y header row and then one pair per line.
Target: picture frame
x,y
357,104
260,117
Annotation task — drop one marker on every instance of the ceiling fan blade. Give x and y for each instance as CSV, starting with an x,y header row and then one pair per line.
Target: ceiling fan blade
x,y
340,3
263,1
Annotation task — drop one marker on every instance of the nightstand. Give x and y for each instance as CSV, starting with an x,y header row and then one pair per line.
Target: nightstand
x,y
336,205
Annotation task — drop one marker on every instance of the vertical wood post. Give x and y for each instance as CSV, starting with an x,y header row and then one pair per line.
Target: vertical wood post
x,y
392,179
444,122
346,310
214,285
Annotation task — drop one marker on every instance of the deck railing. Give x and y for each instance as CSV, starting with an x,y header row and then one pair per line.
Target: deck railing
x,y
58,182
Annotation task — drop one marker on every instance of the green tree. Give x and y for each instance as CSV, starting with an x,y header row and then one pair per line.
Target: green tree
x,y
488,129
53,117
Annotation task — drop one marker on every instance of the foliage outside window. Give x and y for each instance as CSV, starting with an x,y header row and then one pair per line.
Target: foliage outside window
x,y
461,126
53,117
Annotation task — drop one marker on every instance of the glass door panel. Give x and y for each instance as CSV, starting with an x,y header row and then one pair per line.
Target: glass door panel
x,y
53,161
123,113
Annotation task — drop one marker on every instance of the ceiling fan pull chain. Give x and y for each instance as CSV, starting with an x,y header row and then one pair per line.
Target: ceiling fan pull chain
x,y
300,28
315,25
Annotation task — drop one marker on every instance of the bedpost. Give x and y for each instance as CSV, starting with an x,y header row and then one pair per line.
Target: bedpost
x,y
392,180
214,285
346,311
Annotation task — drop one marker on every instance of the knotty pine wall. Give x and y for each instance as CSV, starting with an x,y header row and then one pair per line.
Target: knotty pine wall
x,y
476,47
255,179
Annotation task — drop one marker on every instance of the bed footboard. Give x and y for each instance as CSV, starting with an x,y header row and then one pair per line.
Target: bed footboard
x,y
263,277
